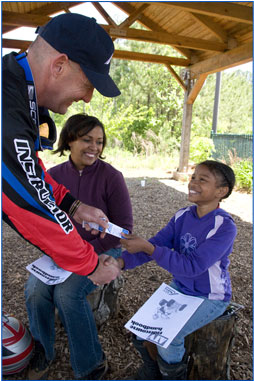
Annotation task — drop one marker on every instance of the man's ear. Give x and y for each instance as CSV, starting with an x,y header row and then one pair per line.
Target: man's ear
x,y
58,64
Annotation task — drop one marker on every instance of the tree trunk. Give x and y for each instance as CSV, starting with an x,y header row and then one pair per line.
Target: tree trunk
x,y
104,300
210,346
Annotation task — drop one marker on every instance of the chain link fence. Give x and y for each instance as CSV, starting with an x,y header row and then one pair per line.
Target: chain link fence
x,y
238,145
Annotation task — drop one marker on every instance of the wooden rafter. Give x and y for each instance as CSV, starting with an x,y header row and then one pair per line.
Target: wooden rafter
x,y
120,54
32,20
176,76
222,9
134,16
165,38
45,10
153,58
104,14
213,27
22,19
15,44
240,55
148,23
196,88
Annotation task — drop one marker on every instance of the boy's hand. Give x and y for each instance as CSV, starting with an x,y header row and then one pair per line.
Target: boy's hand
x,y
133,243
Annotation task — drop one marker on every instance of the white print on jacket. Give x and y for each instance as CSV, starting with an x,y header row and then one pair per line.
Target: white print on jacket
x,y
24,157
218,281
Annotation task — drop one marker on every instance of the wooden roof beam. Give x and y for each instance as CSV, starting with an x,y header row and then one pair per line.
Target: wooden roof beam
x,y
54,7
104,14
176,76
165,38
45,10
17,19
212,26
222,9
22,19
148,23
15,44
121,54
196,88
240,55
153,58
134,16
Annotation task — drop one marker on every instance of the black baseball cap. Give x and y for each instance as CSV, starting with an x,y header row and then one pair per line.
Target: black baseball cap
x,y
86,43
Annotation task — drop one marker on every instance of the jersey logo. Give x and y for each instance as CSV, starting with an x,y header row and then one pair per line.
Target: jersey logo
x,y
24,157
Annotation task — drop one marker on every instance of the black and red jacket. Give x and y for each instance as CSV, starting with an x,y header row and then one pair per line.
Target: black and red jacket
x,y
33,203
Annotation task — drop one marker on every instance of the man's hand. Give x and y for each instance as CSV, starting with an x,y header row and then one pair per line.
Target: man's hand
x,y
91,214
107,270
133,244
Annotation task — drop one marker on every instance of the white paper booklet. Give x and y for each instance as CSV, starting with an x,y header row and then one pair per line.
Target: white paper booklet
x,y
163,315
48,271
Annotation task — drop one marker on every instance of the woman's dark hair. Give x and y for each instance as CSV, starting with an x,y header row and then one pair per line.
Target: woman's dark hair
x,y
224,172
74,128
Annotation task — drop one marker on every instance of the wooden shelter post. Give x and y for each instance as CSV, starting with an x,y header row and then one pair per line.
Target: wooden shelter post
x,y
186,126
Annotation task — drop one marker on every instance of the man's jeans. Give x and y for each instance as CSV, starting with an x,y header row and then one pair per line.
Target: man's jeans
x,y
76,315
206,312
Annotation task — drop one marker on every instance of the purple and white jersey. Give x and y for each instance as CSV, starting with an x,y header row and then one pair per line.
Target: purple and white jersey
x,y
195,250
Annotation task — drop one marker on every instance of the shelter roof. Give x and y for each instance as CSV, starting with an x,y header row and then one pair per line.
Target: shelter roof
x,y
206,36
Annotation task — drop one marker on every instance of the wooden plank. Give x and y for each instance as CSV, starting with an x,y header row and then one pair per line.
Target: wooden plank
x,y
120,54
134,16
213,27
55,6
104,14
196,88
153,58
15,44
223,9
19,19
240,55
46,10
176,76
148,23
165,38
11,18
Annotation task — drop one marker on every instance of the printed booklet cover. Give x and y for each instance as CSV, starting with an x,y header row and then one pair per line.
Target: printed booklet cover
x,y
47,271
163,315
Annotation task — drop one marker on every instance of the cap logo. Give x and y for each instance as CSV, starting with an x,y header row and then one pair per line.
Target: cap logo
x,y
108,61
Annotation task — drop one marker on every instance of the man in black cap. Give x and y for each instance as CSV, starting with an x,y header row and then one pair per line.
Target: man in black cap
x,y
69,58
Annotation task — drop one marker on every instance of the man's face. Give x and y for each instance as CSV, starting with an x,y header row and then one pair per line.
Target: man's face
x,y
71,86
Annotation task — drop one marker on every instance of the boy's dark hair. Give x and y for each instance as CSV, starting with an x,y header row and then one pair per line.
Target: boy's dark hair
x,y
225,173
75,127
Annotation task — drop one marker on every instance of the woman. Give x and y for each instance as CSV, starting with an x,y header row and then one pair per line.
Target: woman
x,y
98,184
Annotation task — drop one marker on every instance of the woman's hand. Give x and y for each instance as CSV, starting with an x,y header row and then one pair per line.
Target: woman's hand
x,y
133,243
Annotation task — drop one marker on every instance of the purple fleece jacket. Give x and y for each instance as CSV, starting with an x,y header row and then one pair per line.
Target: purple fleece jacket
x,y
102,186
195,250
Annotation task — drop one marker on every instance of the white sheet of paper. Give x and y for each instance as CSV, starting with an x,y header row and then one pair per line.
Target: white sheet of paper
x,y
47,271
163,315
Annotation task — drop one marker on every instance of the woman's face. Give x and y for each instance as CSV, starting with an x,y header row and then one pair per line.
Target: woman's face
x,y
86,149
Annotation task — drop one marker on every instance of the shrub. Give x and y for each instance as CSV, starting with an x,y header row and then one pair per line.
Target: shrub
x,y
243,174
201,149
